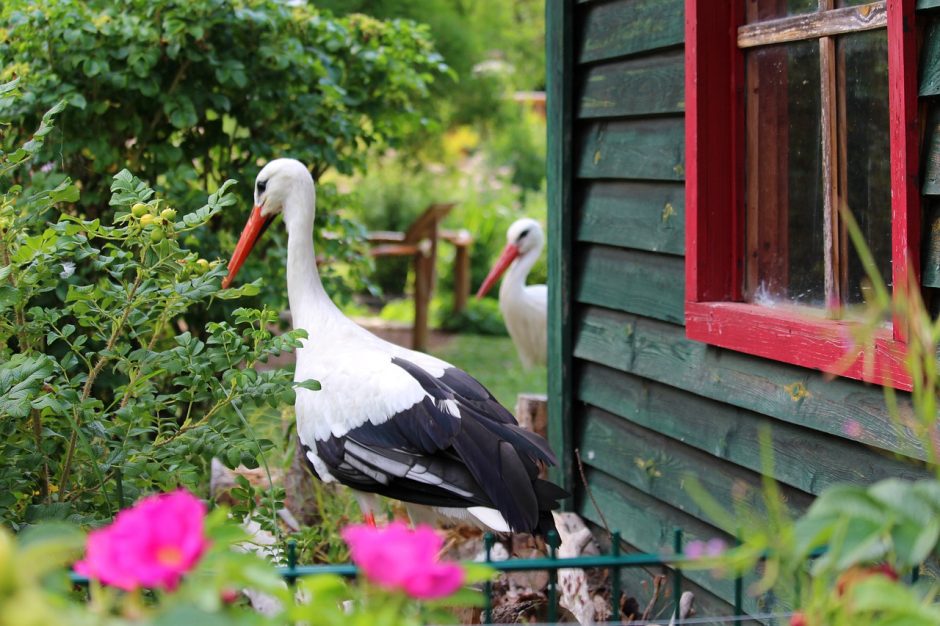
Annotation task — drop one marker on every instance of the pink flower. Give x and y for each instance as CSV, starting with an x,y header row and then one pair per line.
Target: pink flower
x,y
396,557
152,544
853,429
710,548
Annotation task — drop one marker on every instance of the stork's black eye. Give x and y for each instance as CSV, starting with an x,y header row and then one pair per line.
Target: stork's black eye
x,y
261,186
522,235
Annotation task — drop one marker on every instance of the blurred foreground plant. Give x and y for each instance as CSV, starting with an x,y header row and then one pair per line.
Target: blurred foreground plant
x,y
164,561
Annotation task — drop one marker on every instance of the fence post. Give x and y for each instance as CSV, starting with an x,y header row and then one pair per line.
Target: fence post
x,y
615,579
291,575
424,281
677,571
488,585
552,540
738,588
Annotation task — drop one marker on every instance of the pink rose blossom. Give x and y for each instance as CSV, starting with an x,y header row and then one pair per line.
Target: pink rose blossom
x,y
152,544
396,557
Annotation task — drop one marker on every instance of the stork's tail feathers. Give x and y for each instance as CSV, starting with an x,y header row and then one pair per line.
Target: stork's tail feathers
x,y
548,494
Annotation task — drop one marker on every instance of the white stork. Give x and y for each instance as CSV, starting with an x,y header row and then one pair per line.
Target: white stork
x,y
388,420
524,307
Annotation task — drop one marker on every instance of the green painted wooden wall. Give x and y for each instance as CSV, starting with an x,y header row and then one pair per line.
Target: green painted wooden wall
x,y
642,405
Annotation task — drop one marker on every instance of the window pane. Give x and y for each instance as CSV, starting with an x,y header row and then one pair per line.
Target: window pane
x,y
868,174
784,217
761,10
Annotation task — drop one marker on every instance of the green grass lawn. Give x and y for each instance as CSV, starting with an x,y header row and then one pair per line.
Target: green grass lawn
x,y
494,362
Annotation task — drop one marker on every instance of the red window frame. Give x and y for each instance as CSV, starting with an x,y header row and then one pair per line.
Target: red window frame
x,y
715,312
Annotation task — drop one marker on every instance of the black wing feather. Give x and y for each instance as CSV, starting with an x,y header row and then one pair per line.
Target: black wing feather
x,y
427,455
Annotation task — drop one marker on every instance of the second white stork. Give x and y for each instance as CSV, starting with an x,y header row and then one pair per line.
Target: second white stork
x,y
524,307
388,420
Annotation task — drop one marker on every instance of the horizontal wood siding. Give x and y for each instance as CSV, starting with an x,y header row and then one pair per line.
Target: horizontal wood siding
x,y
661,352
649,407
930,63
614,29
642,216
931,185
802,458
648,524
646,85
646,149
663,468
648,284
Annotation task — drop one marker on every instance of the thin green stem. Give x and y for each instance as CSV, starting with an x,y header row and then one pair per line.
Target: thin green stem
x,y
89,382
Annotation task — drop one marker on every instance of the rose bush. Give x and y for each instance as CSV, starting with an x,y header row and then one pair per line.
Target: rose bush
x,y
110,385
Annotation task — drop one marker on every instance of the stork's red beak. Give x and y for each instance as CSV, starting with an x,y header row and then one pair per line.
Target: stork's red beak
x,y
256,225
508,255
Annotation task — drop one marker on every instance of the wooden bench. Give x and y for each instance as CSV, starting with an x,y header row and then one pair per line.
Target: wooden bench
x,y
420,241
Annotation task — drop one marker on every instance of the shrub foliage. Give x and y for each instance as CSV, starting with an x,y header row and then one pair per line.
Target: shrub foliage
x,y
194,93
104,391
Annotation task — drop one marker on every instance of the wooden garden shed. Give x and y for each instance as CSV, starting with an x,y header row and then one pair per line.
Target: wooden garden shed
x,y
699,151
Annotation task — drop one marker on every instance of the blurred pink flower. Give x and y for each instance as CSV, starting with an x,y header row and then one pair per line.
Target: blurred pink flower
x,y
700,549
152,544
396,557
852,428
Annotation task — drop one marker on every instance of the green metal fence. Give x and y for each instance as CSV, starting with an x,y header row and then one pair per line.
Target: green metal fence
x,y
613,562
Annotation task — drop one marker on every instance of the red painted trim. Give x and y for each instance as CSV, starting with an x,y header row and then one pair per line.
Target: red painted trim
x,y
714,72
792,338
905,157
714,81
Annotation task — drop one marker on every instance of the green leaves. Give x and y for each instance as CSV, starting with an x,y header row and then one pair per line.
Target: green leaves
x,y
21,381
893,520
103,389
292,80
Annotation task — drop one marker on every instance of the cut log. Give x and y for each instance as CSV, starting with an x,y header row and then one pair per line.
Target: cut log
x,y
532,412
575,594
299,494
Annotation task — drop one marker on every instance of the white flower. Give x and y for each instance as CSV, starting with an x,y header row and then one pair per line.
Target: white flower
x,y
68,268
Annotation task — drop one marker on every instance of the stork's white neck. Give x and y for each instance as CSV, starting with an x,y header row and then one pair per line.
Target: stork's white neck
x,y
513,284
310,306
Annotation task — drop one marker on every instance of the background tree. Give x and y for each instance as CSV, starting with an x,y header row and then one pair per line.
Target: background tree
x,y
189,94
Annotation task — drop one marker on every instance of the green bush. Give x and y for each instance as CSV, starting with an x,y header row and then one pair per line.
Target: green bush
x,y
190,94
217,84
107,390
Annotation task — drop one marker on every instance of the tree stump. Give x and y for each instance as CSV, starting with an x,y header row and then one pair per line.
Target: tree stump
x,y
299,493
532,412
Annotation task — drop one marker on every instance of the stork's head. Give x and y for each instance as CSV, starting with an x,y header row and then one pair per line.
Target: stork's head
x,y
525,234
282,186
524,238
